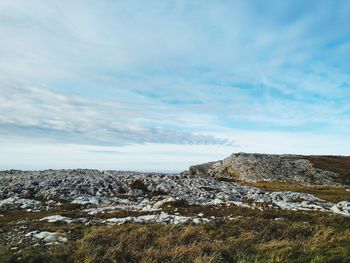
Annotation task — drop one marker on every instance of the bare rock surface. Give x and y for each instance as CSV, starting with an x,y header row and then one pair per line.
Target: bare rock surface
x,y
162,218
98,192
268,167
47,236
31,202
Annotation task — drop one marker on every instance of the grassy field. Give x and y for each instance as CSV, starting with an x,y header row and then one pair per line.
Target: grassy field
x,y
251,236
238,234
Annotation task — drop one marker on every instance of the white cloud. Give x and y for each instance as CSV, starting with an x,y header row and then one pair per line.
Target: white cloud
x,y
39,114
122,72
162,157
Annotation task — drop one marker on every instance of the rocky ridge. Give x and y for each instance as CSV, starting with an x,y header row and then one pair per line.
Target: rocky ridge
x,y
117,197
270,167
102,191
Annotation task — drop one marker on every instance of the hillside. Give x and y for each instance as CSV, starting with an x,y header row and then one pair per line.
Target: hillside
x,y
317,170
245,208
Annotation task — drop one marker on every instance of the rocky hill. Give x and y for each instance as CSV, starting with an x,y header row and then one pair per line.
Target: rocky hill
x,y
321,170
45,209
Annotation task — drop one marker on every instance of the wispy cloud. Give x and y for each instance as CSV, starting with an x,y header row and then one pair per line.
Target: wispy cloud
x,y
46,115
176,72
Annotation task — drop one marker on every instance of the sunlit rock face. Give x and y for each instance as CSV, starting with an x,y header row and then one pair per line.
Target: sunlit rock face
x,y
267,167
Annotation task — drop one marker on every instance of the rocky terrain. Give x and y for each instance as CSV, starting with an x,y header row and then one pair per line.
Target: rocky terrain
x,y
32,201
324,170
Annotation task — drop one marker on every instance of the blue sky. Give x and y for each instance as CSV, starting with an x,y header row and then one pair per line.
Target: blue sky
x,y
159,85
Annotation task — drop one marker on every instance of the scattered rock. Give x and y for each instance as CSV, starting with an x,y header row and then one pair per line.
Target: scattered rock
x,y
57,218
47,236
95,192
342,208
162,218
17,202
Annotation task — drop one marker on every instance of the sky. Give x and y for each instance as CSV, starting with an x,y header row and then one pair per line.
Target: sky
x,y
160,85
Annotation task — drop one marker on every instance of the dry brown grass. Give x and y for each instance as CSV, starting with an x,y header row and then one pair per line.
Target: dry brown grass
x,y
242,240
255,237
334,194
338,164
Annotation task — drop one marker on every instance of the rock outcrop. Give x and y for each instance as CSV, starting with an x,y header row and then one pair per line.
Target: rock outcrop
x,y
269,167
105,191
31,202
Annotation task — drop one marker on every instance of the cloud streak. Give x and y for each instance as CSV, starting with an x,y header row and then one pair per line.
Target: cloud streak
x,y
41,114
173,72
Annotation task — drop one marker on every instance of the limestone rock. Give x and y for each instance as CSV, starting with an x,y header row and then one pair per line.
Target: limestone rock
x,y
266,167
